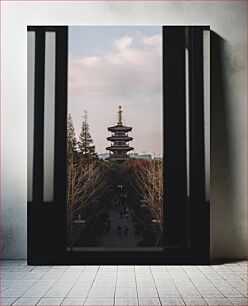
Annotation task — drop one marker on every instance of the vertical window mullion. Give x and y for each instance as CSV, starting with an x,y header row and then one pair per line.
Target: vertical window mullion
x,y
206,89
175,173
187,118
38,117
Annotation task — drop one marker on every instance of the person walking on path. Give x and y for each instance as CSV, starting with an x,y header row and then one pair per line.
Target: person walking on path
x,y
126,231
119,230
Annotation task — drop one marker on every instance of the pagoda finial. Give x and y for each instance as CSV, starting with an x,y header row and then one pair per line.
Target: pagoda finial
x,y
119,119
85,116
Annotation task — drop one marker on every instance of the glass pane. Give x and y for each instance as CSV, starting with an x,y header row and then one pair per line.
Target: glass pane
x,y
206,75
187,119
115,139
30,94
49,116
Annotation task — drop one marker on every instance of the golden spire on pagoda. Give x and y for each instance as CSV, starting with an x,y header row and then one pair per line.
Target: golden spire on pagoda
x,y
119,118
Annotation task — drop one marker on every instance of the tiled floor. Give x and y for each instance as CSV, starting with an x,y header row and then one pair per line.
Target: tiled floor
x,y
123,285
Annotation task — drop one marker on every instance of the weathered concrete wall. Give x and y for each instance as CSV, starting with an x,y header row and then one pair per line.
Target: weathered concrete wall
x,y
228,113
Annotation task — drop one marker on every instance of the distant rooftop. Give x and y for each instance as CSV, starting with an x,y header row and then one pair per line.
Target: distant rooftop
x,y
146,156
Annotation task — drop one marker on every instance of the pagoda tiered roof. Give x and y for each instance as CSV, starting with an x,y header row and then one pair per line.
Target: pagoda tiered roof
x,y
119,148
119,138
119,128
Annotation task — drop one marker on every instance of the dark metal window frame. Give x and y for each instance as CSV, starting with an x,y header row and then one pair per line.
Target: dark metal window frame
x,y
186,220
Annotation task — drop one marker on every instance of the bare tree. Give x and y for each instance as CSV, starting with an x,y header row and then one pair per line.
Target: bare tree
x,y
147,179
86,177
85,184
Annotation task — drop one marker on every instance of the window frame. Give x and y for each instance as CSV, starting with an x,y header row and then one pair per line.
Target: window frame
x,y
186,219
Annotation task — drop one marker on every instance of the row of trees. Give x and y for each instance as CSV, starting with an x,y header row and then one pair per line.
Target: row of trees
x,y
86,176
146,178
84,146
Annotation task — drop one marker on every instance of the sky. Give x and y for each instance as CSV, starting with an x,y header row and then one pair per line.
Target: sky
x,y
116,65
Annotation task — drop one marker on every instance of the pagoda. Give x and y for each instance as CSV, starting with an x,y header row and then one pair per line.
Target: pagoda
x,y
119,138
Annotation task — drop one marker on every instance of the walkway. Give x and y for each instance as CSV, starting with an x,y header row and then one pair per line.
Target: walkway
x,y
117,231
115,238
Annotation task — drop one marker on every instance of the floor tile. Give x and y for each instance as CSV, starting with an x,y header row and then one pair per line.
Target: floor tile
x,y
189,292
13,293
164,292
217,301
102,292
167,301
125,283
91,269
42,268
108,268
50,301
26,301
33,276
59,268
126,274
83,281
194,301
126,292
99,301
230,292
210,292
15,275
73,301
75,268
38,290
145,283
147,292
238,301
79,291
149,301
125,269
58,291
121,301
106,275
7,301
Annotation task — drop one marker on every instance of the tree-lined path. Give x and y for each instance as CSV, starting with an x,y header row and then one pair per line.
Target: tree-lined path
x,y
111,203
118,238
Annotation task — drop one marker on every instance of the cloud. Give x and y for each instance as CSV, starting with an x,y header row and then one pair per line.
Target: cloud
x,y
123,42
152,41
124,68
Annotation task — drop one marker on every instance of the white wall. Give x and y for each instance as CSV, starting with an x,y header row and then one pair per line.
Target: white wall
x,y
229,97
